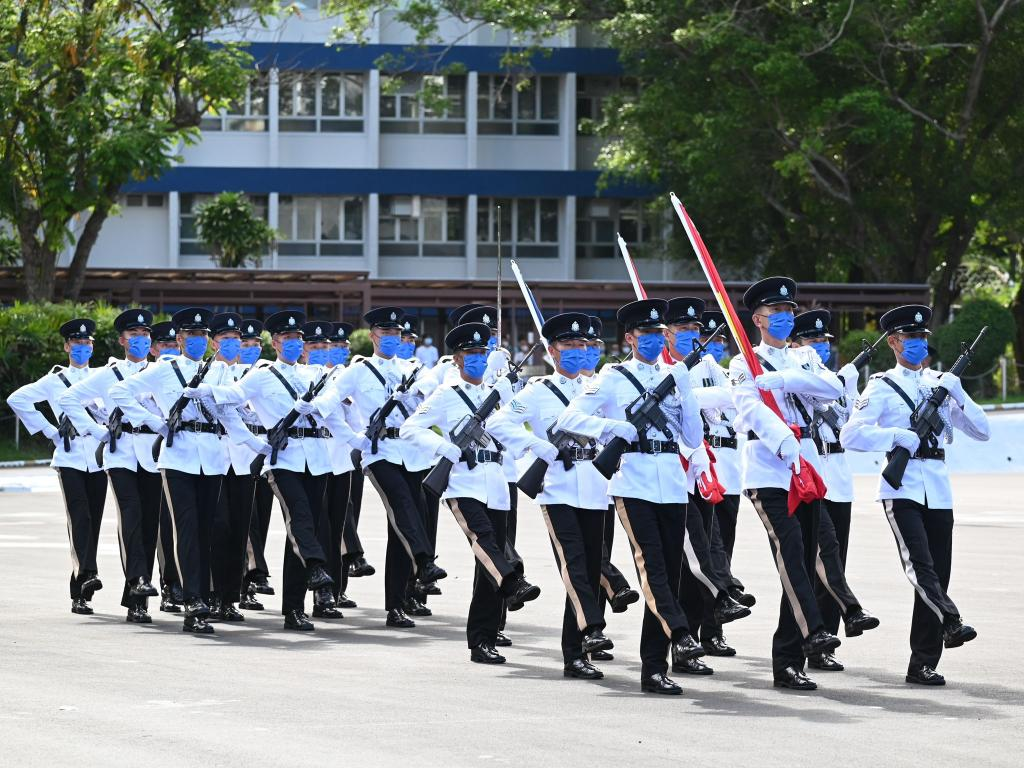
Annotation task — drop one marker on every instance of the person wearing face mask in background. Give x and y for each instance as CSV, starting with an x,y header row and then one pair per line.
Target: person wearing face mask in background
x,y
193,468
165,345
770,456
615,589
395,469
255,571
573,501
920,511
426,352
82,482
649,486
478,494
131,469
298,478
835,598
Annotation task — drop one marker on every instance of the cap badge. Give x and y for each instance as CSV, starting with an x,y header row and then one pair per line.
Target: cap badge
x,y
142,319
590,331
291,320
476,335
575,326
250,329
818,324
341,332
170,331
690,311
486,318
231,322
654,314
198,318
81,329
783,290
919,318
712,324
318,331
394,316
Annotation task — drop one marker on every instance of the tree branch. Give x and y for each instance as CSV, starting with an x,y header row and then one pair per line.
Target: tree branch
x,y
835,38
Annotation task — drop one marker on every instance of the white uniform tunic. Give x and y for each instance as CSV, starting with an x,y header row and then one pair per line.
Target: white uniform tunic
x,y
242,454
835,470
486,481
49,389
339,449
133,451
658,478
804,375
272,401
880,412
536,405
193,452
713,391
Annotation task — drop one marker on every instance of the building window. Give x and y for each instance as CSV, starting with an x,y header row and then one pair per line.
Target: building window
x,y
504,108
248,113
404,112
188,236
320,226
411,225
529,227
141,201
591,93
325,102
598,220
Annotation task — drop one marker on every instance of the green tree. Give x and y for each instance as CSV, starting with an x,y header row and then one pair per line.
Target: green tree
x,y
229,226
97,93
10,250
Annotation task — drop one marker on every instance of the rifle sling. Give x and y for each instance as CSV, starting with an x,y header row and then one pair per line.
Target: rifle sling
x,y
795,399
384,383
472,409
636,383
184,385
556,391
932,439
290,389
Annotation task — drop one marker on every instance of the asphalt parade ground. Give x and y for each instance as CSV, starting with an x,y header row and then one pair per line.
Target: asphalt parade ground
x,y
94,691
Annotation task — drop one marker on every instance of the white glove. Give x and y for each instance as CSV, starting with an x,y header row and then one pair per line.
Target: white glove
x,y
450,451
623,429
954,386
303,407
497,359
257,445
906,438
770,380
161,430
99,432
542,449
700,462
51,433
789,452
360,443
504,388
682,376
197,393
849,373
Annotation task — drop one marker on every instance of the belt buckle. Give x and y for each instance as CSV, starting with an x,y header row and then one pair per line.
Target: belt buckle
x,y
323,432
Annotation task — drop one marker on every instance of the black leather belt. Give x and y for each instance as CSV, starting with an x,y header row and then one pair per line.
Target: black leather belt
x,y
487,457
582,454
720,441
309,432
257,429
805,433
132,429
824,449
938,454
389,433
201,426
656,446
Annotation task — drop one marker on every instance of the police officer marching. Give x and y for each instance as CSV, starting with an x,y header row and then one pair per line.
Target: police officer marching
x,y
920,509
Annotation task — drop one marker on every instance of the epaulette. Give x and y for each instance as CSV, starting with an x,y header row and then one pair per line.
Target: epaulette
x,y
357,359
445,359
878,375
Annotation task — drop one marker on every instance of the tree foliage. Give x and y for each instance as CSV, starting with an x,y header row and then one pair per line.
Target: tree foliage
x,y
98,93
229,226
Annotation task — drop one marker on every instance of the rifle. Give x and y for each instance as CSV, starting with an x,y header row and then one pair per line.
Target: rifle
x,y
867,352
66,431
277,436
827,414
113,433
174,415
697,353
376,426
925,421
470,431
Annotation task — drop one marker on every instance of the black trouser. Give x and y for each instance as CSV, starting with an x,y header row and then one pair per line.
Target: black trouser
x,y
511,525
193,501
486,530
577,536
794,544
721,554
338,505
699,579
656,533
84,496
138,496
727,511
402,495
351,545
165,546
924,537
612,579
230,531
301,496
835,598
259,526
431,504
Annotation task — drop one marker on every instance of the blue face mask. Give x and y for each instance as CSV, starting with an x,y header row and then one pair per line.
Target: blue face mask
x,y
389,345
824,350
338,355
571,360
230,348
405,349
592,358
318,357
492,343
915,350
249,355
650,345
172,351
291,349
685,341
475,365
195,346
138,346
717,350
80,353
780,325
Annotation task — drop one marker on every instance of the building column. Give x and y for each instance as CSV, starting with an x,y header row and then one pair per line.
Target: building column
x,y
273,200
173,228
472,88
568,122
471,236
567,238
273,122
373,236
372,110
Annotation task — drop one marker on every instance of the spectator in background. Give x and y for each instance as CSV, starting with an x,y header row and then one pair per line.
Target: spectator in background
x,y
426,353
521,353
